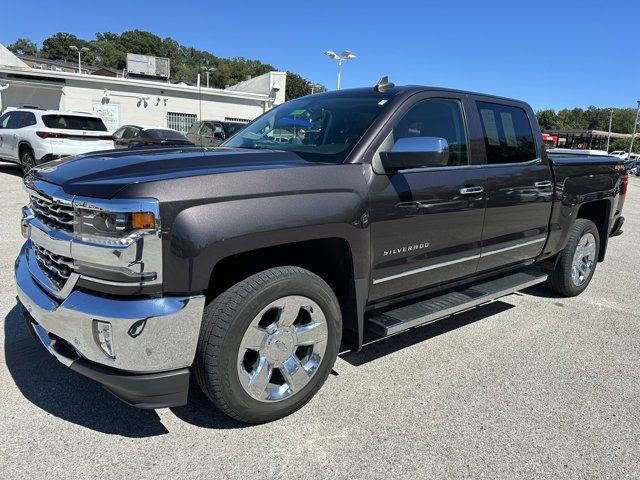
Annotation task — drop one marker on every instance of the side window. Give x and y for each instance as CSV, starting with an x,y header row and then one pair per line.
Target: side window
x,y
218,131
29,119
507,133
129,132
4,120
118,133
437,117
206,130
16,120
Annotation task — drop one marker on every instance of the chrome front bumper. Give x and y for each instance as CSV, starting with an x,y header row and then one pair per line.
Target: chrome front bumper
x,y
149,334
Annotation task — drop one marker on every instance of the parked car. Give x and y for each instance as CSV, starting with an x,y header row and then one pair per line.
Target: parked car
x,y
30,137
250,265
631,164
129,136
211,133
620,154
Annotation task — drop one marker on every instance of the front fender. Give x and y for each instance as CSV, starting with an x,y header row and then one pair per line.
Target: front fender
x,y
202,235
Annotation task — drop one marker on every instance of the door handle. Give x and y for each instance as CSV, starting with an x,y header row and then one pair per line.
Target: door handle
x,y
471,190
542,184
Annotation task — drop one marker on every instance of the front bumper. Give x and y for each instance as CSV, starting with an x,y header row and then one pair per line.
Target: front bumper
x,y
151,390
149,335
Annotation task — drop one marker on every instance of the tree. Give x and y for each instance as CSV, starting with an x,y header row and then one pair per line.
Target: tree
x,y
109,49
58,46
547,119
298,86
23,46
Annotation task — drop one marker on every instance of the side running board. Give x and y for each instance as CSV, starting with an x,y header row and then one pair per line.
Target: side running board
x,y
396,320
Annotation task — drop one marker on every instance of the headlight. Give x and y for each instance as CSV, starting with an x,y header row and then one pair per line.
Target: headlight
x,y
117,240
111,228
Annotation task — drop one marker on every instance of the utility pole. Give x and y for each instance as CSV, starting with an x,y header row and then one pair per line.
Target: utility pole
x,y
609,136
633,135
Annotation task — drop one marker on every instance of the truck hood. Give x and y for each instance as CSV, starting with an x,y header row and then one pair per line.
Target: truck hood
x,y
103,174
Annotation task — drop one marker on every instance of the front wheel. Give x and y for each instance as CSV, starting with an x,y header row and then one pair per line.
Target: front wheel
x,y
577,262
268,344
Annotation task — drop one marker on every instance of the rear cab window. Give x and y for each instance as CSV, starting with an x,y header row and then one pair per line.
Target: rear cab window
x,y
74,122
507,133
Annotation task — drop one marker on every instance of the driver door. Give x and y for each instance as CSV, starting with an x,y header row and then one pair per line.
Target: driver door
x,y
426,222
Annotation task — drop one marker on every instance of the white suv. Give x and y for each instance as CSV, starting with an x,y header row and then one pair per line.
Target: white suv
x,y
30,137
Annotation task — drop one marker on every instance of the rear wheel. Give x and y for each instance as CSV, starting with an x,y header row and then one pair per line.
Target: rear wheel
x,y
27,160
268,344
577,262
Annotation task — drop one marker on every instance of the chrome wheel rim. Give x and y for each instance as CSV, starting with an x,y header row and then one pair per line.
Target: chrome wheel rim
x,y
583,259
27,162
282,349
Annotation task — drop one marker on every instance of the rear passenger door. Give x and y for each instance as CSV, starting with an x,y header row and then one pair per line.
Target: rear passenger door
x,y
518,185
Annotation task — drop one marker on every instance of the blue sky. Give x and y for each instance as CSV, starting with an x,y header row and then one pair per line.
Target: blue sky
x,y
553,54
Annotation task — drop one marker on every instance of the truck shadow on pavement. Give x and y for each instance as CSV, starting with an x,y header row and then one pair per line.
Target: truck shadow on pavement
x,y
10,169
67,395
378,347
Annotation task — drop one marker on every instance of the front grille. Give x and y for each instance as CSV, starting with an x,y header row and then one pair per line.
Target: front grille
x,y
56,267
53,214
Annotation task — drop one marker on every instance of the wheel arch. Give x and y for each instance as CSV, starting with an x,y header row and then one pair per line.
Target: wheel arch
x,y
598,212
330,258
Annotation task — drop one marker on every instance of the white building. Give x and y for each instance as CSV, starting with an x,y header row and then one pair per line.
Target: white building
x,y
122,101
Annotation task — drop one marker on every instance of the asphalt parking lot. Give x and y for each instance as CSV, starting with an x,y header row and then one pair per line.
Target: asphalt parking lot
x,y
531,386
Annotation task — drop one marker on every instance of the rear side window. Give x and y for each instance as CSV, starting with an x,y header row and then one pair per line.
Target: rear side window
x,y
507,133
74,122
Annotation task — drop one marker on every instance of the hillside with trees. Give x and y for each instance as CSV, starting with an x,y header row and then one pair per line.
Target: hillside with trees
x,y
110,50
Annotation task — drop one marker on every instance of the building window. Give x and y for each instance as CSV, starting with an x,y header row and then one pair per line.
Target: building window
x,y
37,65
180,121
239,120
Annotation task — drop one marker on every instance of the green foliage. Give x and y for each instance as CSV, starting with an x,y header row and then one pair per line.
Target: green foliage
x,y
593,118
110,50
624,144
23,46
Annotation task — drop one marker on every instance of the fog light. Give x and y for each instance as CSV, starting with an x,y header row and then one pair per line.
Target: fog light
x,y
103,337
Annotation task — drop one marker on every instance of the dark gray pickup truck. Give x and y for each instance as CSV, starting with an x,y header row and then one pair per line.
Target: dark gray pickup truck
x,y
366,211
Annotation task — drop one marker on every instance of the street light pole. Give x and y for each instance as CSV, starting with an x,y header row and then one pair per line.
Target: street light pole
x,y
80,52
635,125
609,136
207,70
345,55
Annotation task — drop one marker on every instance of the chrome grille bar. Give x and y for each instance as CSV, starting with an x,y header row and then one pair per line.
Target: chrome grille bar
x,y
57,267
52,213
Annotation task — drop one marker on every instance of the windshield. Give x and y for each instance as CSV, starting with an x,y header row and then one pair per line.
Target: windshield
x,y
320,129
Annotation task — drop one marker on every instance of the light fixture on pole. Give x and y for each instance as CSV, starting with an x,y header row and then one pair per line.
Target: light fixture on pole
x,y
345,55
635,125
208,70
80,52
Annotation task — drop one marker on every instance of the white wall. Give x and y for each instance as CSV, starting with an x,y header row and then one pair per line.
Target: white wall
x,y
127,101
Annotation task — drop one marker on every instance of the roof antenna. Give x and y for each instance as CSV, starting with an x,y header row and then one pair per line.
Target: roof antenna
x,y
383,85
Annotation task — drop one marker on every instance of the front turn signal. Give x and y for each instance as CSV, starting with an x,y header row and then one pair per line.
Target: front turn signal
x,y
143,220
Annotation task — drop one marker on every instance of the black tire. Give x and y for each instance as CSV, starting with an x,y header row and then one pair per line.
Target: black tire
x,y
224,324
27,159
560,279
